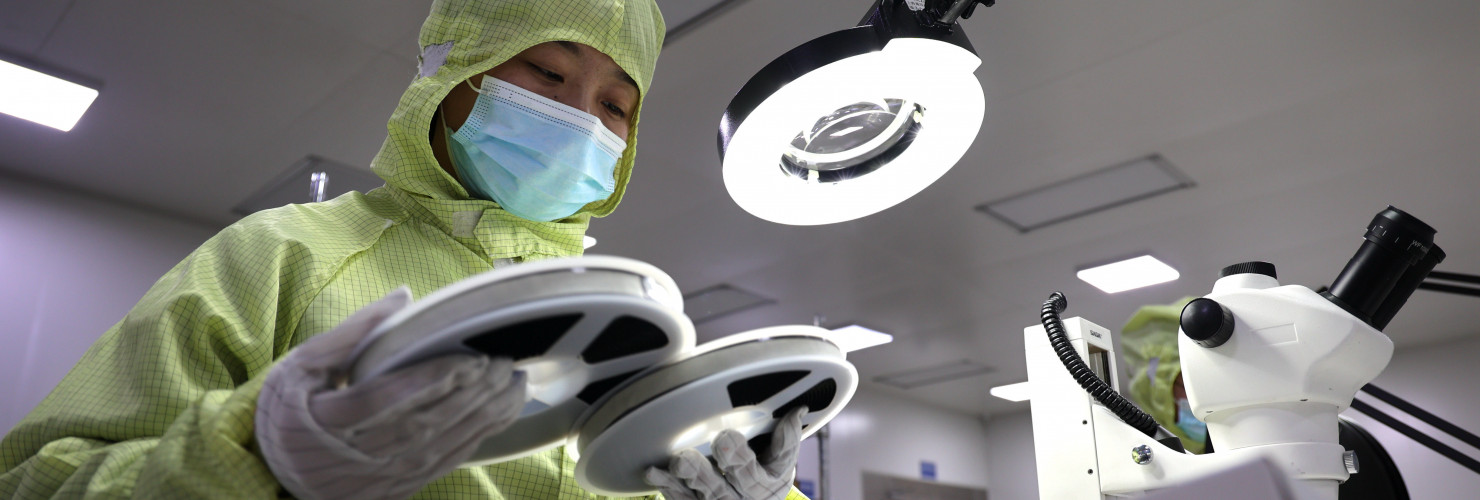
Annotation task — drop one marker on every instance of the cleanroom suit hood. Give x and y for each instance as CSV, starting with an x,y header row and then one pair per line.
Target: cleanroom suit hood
x,y
162,405
463,38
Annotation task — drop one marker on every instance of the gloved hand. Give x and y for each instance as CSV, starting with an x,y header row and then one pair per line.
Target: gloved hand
x,y
740,476
386,437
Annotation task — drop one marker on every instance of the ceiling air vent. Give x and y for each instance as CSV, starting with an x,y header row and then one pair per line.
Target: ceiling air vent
x,y
922,377
307,179
1089,193
721,300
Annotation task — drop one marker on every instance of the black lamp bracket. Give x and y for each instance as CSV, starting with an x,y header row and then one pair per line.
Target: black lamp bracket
x,y
889,19
885,20
1421,437
957,9
937,14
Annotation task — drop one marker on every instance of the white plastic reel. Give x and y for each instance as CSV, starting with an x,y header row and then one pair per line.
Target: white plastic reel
x,y
576,328
745,382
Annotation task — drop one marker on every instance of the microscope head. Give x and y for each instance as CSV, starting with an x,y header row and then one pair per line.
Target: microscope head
x,y
1265,363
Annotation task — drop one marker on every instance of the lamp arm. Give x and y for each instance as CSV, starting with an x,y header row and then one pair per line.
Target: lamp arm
x,y
1415,434
1463,284
962,9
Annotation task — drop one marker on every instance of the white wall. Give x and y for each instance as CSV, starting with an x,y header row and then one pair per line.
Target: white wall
x,y
1439,378
70,267
888,435
1014,473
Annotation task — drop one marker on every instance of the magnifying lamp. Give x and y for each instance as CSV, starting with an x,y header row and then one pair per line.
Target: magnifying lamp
x,y
855,121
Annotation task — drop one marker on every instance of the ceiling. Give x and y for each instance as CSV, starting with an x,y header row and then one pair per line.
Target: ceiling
x,y
1297,119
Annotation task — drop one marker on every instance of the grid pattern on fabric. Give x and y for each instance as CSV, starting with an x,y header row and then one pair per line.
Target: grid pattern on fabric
x,y
162,405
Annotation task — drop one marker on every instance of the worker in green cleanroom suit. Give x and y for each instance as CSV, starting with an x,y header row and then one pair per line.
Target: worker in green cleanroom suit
x,y
1150,343
216,384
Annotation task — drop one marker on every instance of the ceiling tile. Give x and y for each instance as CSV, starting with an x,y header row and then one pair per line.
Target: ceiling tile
x,y
349,124
389,25
24,24
186,107
1019,53
678,12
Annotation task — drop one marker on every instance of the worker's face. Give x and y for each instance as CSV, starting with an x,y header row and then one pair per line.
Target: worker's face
x,y
570,73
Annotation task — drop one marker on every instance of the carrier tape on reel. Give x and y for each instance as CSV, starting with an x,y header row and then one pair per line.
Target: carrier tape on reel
x,y
745,382
576,327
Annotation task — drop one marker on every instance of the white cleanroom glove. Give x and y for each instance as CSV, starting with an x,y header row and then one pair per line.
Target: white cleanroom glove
x,y
740,475
385,437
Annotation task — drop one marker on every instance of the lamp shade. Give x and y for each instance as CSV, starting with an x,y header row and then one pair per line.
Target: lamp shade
x,y
853,122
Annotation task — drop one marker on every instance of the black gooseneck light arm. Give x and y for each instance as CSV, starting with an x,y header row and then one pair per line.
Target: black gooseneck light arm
x,y
1415,411
1417,435
1465,284
1421,414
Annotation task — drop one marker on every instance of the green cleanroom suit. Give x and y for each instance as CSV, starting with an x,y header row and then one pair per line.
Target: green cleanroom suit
x,y
162,405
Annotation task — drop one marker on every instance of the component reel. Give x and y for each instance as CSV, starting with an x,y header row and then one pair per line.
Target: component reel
x,y
745,382
577,328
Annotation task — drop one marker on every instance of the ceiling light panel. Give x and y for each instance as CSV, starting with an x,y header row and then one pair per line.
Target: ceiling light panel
x,y
41,98
1129,274
934,375
854,337
1013,392
1093,192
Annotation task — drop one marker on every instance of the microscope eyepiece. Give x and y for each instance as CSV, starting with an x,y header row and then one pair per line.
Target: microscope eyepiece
x,y
1397,255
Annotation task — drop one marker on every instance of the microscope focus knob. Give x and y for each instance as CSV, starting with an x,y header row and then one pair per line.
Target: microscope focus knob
x,y
1207,322
1252,267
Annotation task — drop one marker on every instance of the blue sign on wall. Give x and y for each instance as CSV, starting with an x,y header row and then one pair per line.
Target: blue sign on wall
x,y
807,487
927,470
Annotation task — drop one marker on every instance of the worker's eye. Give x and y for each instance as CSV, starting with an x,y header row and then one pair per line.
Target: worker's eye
x,y
615,109
553,76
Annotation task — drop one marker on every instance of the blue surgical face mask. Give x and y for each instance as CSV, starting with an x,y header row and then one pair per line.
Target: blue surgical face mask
x,y
539,159
1190,425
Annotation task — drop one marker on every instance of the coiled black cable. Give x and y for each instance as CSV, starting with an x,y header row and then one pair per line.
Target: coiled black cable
x,y
1101,391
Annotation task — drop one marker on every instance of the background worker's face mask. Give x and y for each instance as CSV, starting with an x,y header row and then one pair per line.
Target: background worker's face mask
x,y
539,159
1194,428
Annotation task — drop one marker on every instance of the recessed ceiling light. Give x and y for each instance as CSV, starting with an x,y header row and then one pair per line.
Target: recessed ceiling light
x,y
38,97
1013,392
854,337
588,241
1129,274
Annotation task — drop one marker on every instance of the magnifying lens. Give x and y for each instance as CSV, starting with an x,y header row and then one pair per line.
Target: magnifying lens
x,y
855,121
